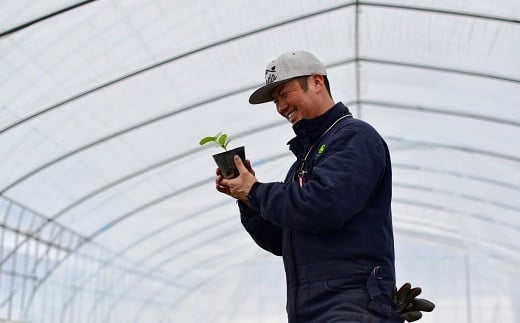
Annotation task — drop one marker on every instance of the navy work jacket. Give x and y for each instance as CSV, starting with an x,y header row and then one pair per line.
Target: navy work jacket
x,y
338,216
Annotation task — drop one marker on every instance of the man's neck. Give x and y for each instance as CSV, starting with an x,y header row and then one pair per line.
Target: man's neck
x,y
325,105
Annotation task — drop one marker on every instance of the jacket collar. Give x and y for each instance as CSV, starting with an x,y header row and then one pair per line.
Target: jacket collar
x,y
309,130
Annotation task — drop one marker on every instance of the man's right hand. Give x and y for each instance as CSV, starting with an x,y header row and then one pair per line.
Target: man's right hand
x,y
246,170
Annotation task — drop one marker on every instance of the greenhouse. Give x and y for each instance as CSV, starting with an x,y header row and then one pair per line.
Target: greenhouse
x,y
108,206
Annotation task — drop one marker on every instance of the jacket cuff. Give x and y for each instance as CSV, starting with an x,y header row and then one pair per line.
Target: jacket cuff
x,y
251,196
244,208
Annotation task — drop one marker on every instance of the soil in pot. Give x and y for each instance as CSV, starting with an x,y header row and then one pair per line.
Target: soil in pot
x,y
226,164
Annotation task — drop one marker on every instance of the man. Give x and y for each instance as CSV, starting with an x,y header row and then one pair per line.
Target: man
x,y
330,219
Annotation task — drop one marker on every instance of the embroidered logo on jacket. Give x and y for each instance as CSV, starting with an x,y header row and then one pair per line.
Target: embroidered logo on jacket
x,y
321,150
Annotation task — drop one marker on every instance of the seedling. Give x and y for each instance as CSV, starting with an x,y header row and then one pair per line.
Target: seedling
x,y
224,160
220,140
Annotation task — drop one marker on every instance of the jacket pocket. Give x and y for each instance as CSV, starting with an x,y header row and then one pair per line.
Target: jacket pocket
x,y
346,284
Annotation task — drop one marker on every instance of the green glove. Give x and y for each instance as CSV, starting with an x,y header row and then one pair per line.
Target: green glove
x,y
409,306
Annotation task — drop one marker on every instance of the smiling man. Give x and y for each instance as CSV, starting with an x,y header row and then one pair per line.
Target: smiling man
x,y
331,218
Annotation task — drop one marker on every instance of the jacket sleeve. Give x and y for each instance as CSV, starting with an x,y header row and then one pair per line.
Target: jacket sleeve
x,y
339,186
264,233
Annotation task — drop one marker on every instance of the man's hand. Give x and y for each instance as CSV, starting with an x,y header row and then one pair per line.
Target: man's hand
x,y
240,186
409,306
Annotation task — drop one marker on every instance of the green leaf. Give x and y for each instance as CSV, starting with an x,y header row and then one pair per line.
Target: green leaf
x,y
205,140
222,141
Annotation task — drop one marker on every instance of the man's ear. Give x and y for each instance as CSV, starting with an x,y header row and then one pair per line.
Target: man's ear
x,y
317,83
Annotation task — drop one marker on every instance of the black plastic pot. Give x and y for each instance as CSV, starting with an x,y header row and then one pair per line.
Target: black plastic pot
x,y
226,164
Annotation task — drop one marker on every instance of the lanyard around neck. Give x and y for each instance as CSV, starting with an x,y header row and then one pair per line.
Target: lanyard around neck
x,y
301,171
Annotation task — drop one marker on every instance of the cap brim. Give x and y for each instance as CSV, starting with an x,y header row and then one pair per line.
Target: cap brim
x,y
263,94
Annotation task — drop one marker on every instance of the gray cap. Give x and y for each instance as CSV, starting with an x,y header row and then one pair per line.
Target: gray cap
x,y
284,68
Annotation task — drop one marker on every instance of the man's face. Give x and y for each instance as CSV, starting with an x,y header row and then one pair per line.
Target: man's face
x,y
292,102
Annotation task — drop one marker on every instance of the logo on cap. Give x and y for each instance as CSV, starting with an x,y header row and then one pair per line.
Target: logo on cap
x,y
270,77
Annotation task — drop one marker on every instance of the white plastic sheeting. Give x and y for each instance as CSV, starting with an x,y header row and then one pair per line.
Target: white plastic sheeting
x,y
108,211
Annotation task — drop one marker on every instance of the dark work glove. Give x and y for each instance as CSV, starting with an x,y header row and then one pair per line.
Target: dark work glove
x,y
409,306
